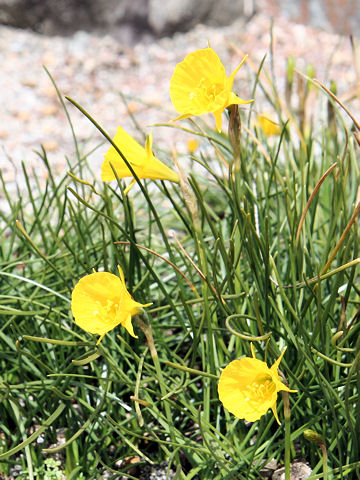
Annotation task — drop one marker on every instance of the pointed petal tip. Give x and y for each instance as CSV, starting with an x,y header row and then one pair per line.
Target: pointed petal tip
x,y
100,338
273,408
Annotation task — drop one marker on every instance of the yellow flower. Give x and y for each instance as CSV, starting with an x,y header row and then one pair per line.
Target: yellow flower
x,y
200,85
100,302
192,145
248,387
268,125
141,159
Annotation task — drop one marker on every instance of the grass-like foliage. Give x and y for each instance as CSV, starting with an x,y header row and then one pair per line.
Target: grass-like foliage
x,y
255,248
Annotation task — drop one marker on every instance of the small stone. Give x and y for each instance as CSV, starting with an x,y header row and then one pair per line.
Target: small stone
x,y
49,109
133,107
50,145
268,469
48,58
298,471
29,83
23,116
4,134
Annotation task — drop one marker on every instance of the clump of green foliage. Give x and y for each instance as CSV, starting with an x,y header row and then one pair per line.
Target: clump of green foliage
x,y
260,245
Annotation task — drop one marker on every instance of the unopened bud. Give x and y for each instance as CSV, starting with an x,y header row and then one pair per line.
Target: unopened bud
x,y
313,436
234,126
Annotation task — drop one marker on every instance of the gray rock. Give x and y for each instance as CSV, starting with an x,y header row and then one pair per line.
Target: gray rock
x,y
159,17
167,17
48,16
118,12
342,17
298,471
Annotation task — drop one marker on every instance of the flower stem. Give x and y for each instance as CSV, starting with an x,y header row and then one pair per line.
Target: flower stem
x,y
325,461
286,400
146,328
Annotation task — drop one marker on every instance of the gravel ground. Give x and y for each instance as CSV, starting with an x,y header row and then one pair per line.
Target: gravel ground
x,y
95,70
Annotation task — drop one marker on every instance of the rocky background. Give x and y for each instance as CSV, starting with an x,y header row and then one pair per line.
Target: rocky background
x,y
131,20
116,57
128,20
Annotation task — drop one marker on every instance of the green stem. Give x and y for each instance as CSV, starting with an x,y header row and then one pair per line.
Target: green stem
x,y
146,328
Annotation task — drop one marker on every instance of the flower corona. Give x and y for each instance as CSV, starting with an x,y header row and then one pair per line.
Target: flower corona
x,y
141,160
200,85
268,124
100,301
248,387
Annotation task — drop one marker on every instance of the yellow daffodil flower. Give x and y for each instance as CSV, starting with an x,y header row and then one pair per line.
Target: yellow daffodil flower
x,y
268,124
248,387
200,85
142,160
100,302
192,145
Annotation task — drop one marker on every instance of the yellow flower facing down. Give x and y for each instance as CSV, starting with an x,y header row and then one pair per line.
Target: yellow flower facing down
x,y
248,387
100,301
268,125
200,85
142,160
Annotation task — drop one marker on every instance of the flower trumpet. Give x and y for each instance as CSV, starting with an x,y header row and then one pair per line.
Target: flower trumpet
x,y
200,85
142,160
248,387
100,301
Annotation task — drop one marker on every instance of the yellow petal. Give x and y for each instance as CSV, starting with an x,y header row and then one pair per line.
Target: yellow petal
x,y
248,388
218,119
129,187
199,85
148,146
94,302
142,160
128,325
275,366
235,100
132,151
192,145
274,369
232,76
268,125
100,338
273,408
156,170
100,301
181,117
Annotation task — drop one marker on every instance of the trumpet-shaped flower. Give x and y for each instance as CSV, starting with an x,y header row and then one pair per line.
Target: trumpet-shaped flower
x,y
200,85
268,125
142,160
100,302
248,387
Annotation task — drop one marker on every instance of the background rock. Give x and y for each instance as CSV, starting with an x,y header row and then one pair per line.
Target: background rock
x,y
134,20
298,471
125,19
168,17
48,16
335,16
